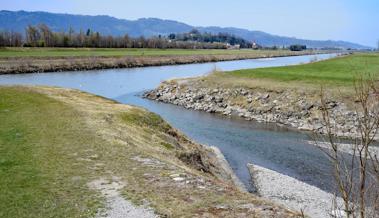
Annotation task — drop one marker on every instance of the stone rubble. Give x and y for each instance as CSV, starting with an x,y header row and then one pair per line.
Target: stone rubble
x,y
287,107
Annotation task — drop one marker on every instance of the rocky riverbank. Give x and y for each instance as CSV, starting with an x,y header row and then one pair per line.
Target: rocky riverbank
x,y
293,108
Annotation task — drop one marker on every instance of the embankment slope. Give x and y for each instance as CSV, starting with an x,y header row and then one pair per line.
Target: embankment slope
x,y
65,153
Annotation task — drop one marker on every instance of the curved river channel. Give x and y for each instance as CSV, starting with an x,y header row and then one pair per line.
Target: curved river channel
x,y
268,145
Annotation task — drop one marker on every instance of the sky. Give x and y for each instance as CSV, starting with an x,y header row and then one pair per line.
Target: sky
x,y
349,20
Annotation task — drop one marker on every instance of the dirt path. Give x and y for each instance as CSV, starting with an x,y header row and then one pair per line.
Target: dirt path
x,y
116,205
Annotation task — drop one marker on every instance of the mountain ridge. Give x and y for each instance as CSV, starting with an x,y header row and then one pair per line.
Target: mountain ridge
x,y
147,27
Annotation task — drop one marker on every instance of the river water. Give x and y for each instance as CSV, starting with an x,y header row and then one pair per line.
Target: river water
x,y
268,145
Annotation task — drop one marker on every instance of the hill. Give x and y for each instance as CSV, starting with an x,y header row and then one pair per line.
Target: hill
x,y
18,20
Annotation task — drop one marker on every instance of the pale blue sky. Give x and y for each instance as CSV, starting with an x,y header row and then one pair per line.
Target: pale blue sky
x,y
351,20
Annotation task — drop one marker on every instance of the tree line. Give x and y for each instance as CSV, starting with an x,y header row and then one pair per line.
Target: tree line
x,y
42,36
297,47
224,38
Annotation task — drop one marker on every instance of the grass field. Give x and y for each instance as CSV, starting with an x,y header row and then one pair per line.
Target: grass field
x,y
104,52
339,71
336,72
37,136
55,142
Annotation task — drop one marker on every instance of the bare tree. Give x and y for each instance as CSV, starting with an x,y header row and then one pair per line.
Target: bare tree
x,y
356,175
32,35
46,35
10,39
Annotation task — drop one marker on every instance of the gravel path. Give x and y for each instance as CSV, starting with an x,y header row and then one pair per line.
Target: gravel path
x,y
292,193
117,206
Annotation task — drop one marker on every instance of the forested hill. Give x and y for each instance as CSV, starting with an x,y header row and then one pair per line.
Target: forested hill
x,y
19,20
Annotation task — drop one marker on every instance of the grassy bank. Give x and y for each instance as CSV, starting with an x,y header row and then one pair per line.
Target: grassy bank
x,y
37,156
56,143
28,60
341,71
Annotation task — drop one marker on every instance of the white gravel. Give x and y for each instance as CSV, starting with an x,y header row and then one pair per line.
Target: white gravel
x,y
292,193
117,206
344,147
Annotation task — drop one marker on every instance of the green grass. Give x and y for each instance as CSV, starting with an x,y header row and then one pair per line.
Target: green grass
x,y
338,71
38,139
145,119
114,52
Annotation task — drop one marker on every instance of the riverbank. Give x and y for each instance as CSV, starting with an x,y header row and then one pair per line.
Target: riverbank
x,y
30,61
293,108
101,157
284,95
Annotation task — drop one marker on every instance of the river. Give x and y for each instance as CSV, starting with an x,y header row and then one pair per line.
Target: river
x,y
278,148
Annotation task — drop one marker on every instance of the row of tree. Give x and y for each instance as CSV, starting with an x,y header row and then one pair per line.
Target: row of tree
x,y
224,38
11,39
43,36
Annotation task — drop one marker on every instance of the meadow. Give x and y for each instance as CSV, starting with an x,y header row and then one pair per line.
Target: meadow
x,y
340,71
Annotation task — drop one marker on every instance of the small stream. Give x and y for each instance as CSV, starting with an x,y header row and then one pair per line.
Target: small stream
x,y
268,145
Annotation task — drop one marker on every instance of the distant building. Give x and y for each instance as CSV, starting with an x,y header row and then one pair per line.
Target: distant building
x,y
255,46
236,46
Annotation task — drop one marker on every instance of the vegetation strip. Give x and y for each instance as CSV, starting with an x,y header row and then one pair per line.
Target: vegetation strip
x,y
342,71
13,61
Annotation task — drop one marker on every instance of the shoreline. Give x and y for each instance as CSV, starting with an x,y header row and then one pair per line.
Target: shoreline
x,y
21,65
231,177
